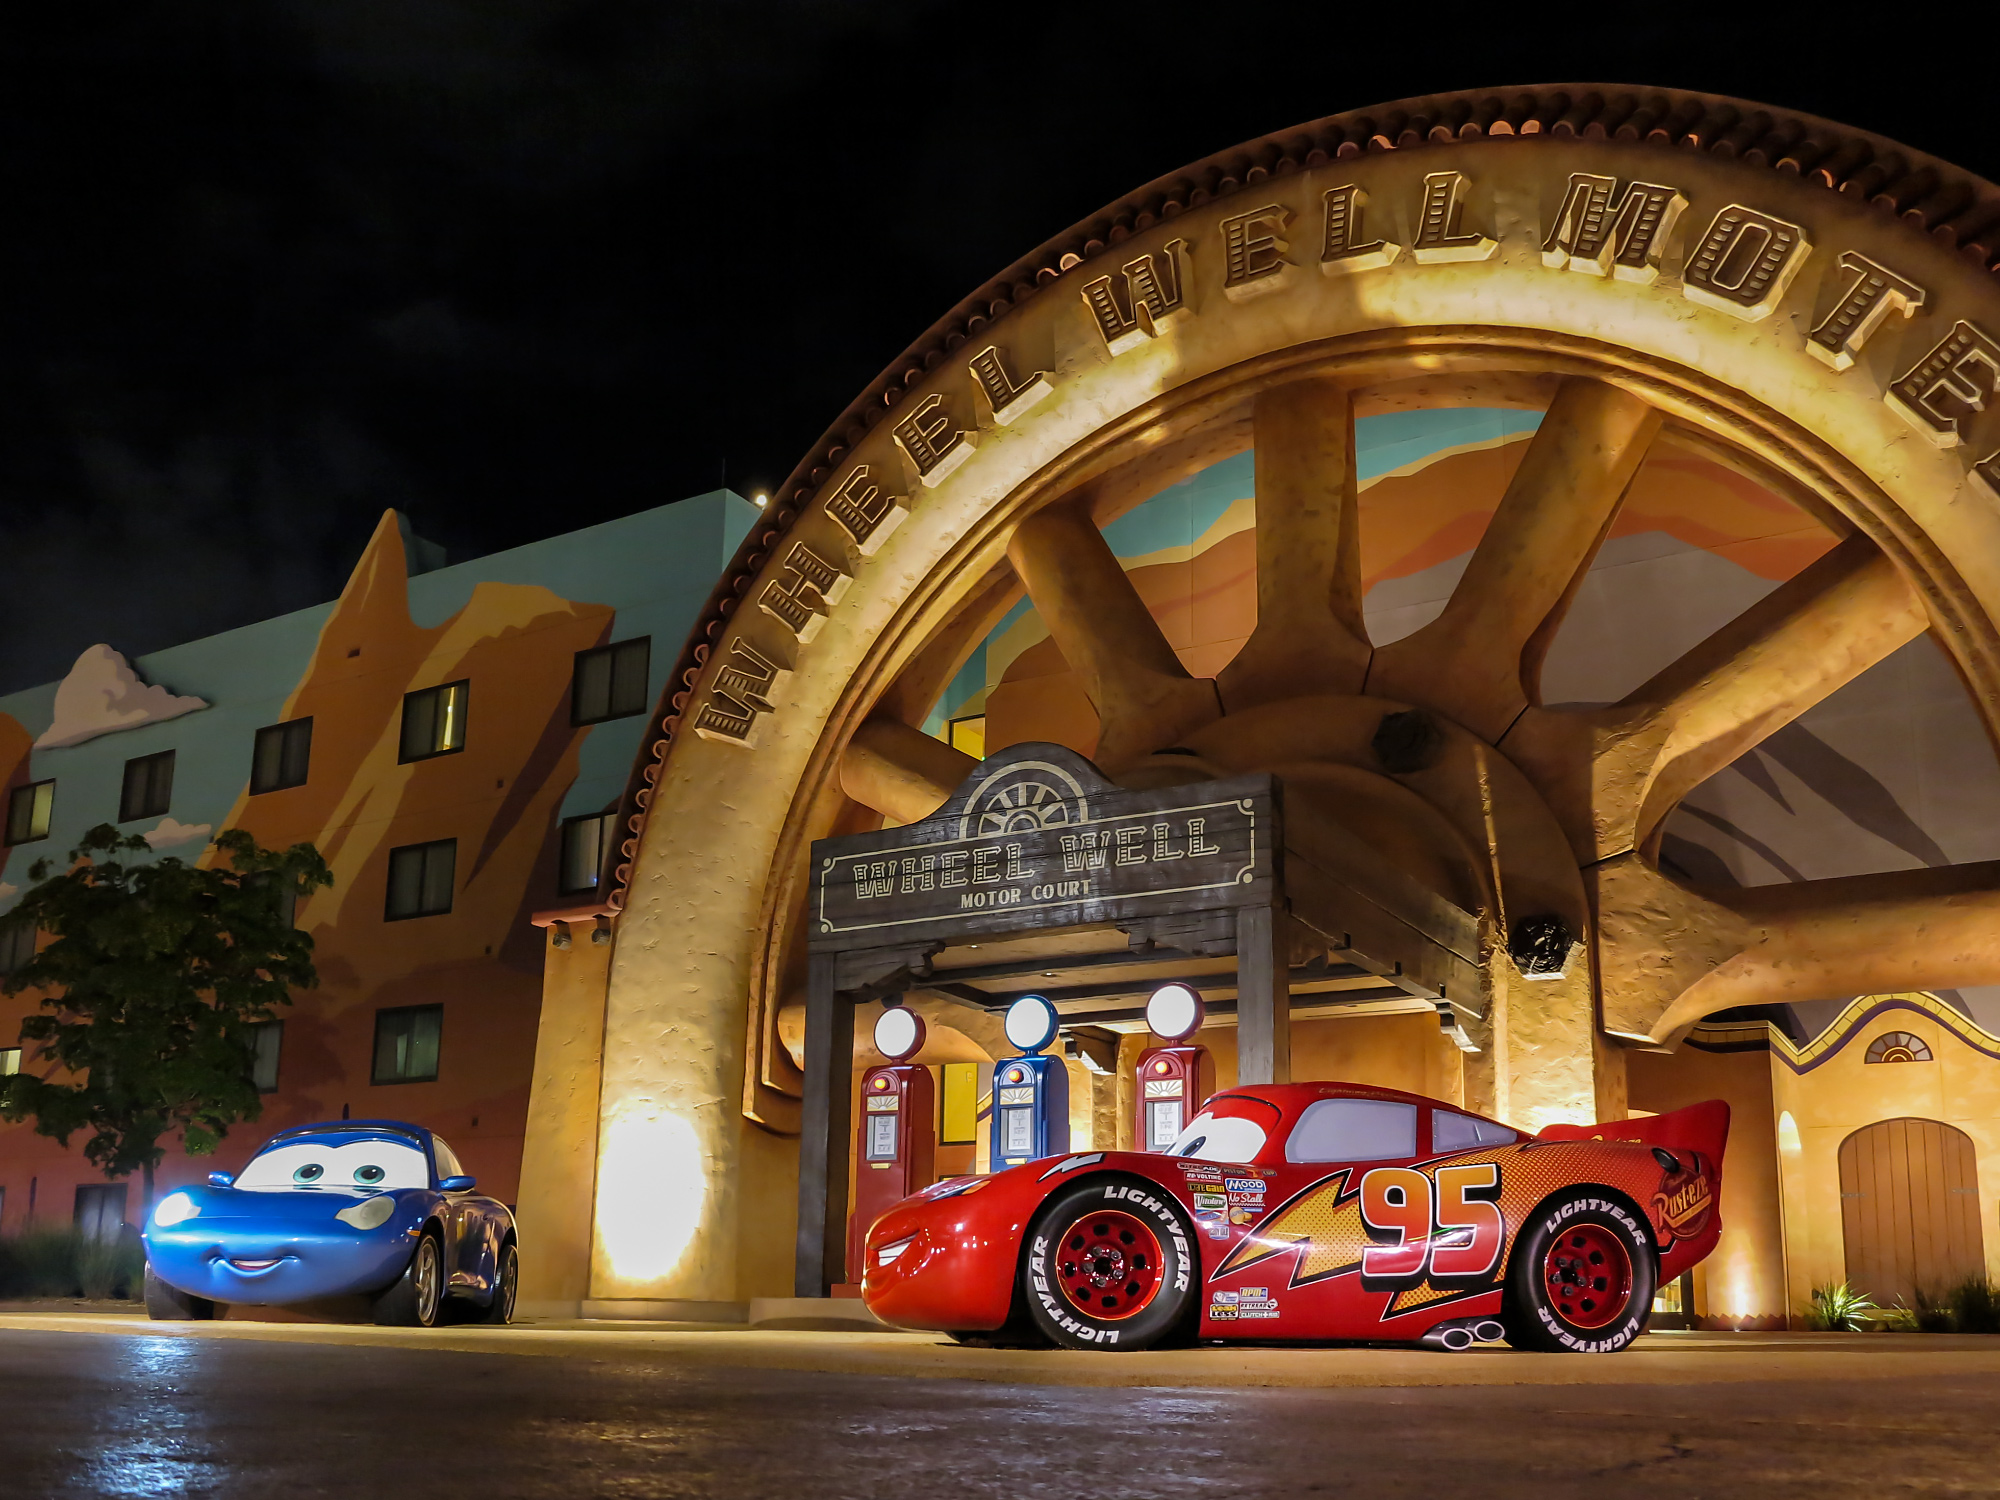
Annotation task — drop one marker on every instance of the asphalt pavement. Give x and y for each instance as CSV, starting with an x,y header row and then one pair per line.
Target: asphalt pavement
x,y
114,1409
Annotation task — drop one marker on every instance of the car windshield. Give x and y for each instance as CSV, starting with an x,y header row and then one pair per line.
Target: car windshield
x,y
366,1164
1226,1131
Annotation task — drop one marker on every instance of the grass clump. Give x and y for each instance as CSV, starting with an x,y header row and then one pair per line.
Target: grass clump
x,y
1968,1306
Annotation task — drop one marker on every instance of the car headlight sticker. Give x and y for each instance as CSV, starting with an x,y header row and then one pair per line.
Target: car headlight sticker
x,y
175,1208
369,1213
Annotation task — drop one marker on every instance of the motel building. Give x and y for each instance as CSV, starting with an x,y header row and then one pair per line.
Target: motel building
x,y
1500,593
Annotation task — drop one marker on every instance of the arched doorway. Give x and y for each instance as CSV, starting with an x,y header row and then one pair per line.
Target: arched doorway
x,y
1909,1208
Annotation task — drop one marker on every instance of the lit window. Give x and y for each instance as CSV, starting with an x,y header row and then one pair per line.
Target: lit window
x,y
284,751
610,682
10,1061
585,842
149,787
969,735
406,1044
434,721
420,879
268,1041
28,811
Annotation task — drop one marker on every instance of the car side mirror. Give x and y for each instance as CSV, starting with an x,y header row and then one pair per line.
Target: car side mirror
x,y
457,1184
220,1179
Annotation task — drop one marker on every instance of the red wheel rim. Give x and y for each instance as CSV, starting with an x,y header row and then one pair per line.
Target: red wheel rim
x,y
1588,1276
1109,1265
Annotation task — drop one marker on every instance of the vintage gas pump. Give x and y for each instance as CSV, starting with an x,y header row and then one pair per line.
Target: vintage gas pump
x,y
1030,1092
896,1147
1174,1080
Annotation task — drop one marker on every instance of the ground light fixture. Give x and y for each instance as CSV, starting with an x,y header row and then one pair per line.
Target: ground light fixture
x,y
899,1033
1032,1022
1174,1012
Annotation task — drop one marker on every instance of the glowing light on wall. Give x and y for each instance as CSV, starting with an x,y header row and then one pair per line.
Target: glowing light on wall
x,y
653,1188
1788,1131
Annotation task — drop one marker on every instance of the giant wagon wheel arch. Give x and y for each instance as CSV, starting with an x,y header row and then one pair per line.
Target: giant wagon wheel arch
x,y
1809,305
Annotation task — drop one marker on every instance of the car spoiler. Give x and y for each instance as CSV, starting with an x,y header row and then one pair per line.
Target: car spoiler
x,y
1700,1127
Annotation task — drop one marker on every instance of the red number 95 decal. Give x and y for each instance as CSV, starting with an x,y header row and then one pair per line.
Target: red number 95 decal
x,y
1441,1230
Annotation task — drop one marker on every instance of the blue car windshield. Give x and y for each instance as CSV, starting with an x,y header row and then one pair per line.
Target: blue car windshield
x,y
369,1164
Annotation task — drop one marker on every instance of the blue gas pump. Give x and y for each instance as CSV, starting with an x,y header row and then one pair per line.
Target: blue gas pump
x,y
1030,1092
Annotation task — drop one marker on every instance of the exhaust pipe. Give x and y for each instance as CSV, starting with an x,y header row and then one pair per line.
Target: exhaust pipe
x,y
1455,1337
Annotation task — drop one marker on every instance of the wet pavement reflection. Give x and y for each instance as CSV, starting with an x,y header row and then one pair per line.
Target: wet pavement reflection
x,y
136,1416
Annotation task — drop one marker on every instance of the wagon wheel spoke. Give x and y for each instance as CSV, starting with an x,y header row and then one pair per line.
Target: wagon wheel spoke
x,y
1480,660
1614,775
1309,636
1144,697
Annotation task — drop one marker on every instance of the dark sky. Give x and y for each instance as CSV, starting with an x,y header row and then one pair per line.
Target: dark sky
x,y
509,264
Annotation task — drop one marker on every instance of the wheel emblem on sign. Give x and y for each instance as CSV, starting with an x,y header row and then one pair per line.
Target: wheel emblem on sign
x,y
1025,798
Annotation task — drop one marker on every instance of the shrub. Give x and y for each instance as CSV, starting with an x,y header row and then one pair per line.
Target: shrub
x,y
59,1262
1931,1311
1975,1304
1839,1309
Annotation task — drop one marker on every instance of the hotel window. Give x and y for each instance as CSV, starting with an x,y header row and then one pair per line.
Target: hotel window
x,y
420,879
434,721
28,811
968,735
610,682
10,1061
149,787
584,843
406,1044
17,943
267,1042
284,751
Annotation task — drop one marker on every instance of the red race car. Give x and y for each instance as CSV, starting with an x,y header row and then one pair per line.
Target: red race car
x,y
1316,1211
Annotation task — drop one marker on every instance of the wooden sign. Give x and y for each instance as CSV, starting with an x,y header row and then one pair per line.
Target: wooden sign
x,y
1036,837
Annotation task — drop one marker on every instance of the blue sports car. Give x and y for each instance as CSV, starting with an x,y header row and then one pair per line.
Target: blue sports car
x,y
370,1207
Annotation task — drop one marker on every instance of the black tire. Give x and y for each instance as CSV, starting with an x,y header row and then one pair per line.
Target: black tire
x,y
1097,1242
169,1304
506,1286
1582,1276
416,1298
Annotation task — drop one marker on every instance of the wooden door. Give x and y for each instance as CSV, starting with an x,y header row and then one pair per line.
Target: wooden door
x,y
1909,1208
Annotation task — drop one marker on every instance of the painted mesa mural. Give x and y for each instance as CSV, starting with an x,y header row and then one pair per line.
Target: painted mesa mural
x,y
509,626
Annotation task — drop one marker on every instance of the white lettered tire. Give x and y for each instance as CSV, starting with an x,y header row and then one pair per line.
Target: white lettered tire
x,y
1582,1275
1111,1264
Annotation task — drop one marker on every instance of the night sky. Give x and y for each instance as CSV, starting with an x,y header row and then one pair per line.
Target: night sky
x,y
509,265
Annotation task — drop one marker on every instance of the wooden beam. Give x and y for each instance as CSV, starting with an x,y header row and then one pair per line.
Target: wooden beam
x,y
1144,697
824,1130
1309,636
1263,998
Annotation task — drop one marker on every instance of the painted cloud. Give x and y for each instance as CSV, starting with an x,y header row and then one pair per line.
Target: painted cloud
x,y
103,694
170,833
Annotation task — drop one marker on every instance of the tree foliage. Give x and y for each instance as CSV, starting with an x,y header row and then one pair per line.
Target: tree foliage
x,y
153,982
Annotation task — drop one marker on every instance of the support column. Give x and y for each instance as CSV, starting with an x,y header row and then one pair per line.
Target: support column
x,y
1263,998
824,1133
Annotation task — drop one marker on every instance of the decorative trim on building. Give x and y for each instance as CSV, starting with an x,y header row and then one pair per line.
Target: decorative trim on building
x,y
1761,1036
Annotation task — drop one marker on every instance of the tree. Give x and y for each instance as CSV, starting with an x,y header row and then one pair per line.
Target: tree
x,y
152,989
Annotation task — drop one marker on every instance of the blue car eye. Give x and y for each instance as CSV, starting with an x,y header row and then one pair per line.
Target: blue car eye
x,y
369,1176
312,1171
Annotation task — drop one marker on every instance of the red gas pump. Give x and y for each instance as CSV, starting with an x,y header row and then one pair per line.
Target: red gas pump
x,y
1175,1080
895,1148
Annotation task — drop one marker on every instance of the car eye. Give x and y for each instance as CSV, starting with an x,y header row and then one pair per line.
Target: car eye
x,y
369,1176
312,1171
1194,1145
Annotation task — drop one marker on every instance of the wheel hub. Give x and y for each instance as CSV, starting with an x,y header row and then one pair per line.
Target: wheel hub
x,y
1109,1265
1588,1274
